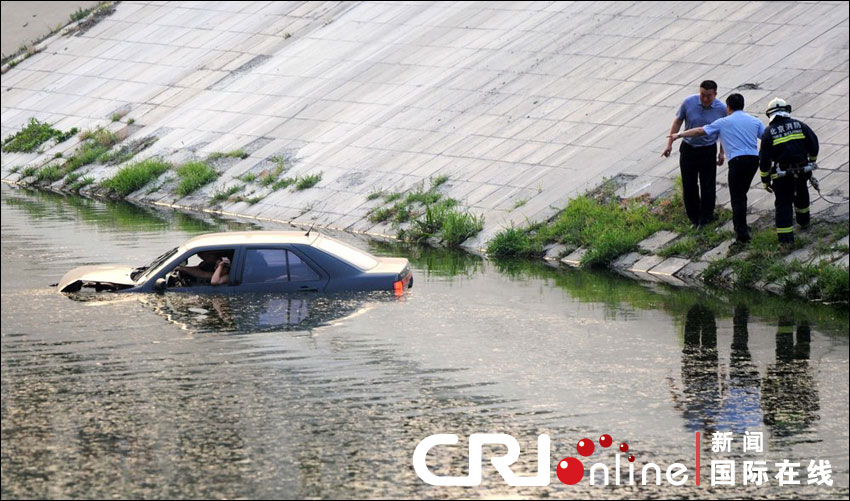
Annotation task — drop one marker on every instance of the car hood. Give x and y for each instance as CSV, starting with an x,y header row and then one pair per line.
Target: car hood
x,y
106,274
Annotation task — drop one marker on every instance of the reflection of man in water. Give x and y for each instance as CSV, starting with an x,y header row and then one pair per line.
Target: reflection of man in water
x,y
789,396
712,403
741,409
699,370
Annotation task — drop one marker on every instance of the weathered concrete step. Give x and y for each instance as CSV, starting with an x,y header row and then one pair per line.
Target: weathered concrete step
x,y
645,264
719,252
574,259
657,240
553,252
669,266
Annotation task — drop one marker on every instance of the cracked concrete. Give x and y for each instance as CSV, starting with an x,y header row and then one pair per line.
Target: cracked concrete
x,y
514,101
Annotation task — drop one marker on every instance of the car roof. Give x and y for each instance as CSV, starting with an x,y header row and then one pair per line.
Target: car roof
x,y
251,237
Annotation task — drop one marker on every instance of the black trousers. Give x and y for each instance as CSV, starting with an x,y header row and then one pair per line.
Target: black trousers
x,y
742,169
699,173
791,190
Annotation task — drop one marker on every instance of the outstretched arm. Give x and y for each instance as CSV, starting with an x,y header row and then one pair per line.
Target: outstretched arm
x,y
697,131
677,124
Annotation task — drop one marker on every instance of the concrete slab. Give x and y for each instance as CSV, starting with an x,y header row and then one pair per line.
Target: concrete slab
x,y
718,252
574,259
657,241
803,255
645,264
692,270
553,252
626,261
669,266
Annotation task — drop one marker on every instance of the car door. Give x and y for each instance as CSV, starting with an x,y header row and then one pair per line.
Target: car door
x,y
279,269
200,288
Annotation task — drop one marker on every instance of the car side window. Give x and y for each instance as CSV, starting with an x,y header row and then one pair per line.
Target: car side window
x,y
299,271
275,265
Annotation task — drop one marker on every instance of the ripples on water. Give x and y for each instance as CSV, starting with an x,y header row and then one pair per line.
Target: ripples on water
x,y
326,396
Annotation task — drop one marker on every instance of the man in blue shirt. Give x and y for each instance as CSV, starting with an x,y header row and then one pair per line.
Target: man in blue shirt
x,y
697,154
739,134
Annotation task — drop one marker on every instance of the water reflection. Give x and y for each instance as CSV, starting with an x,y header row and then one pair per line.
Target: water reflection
x,y
279,396
116,215
785,399
790,395
260,312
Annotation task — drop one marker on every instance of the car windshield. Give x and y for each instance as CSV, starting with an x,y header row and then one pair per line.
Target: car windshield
x,y
146,271
347,253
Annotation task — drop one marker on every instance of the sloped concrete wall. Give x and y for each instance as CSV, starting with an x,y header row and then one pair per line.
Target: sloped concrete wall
x,y
523,104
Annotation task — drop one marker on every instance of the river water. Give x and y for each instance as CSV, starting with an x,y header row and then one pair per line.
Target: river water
x,y
327,396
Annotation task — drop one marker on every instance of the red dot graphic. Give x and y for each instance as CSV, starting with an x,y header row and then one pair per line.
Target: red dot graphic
x,y
570,471
631,459
606,440
624,447
585,447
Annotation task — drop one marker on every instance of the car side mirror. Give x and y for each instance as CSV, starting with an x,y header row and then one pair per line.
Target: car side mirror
x,y
159,285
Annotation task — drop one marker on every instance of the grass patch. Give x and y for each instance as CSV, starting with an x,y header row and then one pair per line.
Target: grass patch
x,y
696,244
248,177
765,262
248,200
33,135
270,177
428,213
606,228
79,183
49,174
29,171
80,14
519,203
222,195
438,181
283,183
515,242
306,182
375,195
193,175
15,169
134,177
95,149
240,153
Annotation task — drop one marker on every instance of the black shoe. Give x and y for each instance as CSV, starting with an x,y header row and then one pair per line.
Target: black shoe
x,y
743,238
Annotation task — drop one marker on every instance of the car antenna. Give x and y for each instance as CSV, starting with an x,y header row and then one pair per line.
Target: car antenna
x,y
314,223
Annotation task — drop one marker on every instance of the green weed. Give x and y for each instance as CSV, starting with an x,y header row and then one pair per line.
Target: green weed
x,y
135,176
193,175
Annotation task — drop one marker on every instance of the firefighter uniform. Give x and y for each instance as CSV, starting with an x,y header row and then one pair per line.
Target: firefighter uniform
x,y
788,145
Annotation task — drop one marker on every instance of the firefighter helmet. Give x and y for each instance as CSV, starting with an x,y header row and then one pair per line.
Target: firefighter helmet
x,y
777,107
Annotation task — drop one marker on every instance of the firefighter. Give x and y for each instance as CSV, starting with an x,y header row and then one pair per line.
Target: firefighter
x,y
789,150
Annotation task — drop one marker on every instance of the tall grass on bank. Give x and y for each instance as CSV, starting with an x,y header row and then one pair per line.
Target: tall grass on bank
x,y
193,175
135,176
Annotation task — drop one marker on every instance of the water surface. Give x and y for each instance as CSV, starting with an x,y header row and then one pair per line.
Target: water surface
x,y
327,396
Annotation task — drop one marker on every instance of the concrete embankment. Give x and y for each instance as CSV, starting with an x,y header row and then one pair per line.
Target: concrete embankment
x,y
518,107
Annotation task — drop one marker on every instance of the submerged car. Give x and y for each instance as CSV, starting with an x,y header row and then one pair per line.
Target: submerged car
x,y
251,261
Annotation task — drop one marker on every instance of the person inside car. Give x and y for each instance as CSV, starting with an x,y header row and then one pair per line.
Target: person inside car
x,y
221,275
205,270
